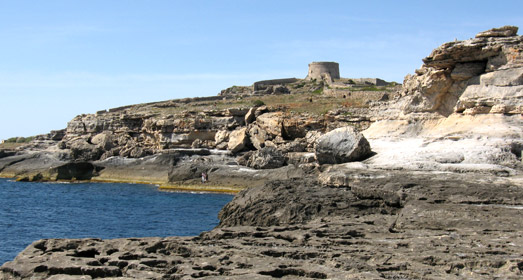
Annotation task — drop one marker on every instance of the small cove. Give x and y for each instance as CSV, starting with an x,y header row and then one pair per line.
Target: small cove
x,y
32,211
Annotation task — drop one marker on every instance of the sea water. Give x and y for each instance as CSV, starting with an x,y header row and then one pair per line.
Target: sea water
x,y
32,211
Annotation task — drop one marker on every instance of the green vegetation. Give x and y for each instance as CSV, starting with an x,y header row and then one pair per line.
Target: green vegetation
x,y
15,142
370,88
300,85
10,146
258,103
19,140
318,91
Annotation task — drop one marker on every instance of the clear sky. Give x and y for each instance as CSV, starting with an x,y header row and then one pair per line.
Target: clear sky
x,y
59,59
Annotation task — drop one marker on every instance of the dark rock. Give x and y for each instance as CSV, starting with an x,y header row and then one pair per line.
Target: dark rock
x,y
84,151
465,71
292,202
280,90
75,171
186,172
296,146
56,135
6,153
391,225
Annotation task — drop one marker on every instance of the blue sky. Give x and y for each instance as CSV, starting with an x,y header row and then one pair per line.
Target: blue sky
x,y
59,59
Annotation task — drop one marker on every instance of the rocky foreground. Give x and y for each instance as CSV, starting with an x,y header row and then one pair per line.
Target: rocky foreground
x,y
382,225
421,183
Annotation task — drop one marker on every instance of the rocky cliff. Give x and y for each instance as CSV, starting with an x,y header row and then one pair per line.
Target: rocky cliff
x,y
435,193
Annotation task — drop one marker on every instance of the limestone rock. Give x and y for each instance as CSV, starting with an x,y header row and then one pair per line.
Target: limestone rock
x,y
502,87
465,71
312,139
461,75
103,140
221,136
271,122
238,140
266,158
250,116
342,145
240,112
505,31
258,137
297,145
426,91
298,158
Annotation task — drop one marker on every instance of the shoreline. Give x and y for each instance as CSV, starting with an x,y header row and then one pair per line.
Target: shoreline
x,y
161,186
200,189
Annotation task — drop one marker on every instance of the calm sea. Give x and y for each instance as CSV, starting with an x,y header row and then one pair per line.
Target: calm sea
x,y
32,211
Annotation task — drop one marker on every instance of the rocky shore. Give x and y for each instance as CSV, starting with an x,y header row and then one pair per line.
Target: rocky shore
x,y
422,182
382,225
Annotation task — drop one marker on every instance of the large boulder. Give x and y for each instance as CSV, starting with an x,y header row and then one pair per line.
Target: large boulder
x,y
84,151
238,140
342,145
104,140
271,122
185,172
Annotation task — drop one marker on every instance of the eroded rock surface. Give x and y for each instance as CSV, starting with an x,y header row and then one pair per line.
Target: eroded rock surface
x,y
389,225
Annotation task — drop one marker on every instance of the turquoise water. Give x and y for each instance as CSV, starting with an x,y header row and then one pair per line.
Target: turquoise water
x,y
32,211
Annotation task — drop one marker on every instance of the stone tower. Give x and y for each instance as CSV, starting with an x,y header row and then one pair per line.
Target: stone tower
x,y
322,70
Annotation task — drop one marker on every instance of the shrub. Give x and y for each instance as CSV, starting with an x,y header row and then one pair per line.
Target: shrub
x,y
258,103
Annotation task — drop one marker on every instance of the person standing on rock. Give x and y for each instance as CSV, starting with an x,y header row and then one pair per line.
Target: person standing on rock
x,y
204,177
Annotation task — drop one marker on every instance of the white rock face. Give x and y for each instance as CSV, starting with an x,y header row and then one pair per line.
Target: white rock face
x,y
470,76
461,112
459,143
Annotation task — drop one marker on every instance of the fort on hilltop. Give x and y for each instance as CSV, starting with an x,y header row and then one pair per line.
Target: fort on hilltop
x,y
325,74
323,71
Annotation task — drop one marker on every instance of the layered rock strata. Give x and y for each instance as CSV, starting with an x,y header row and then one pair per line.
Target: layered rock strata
x,y
477,76
461,111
